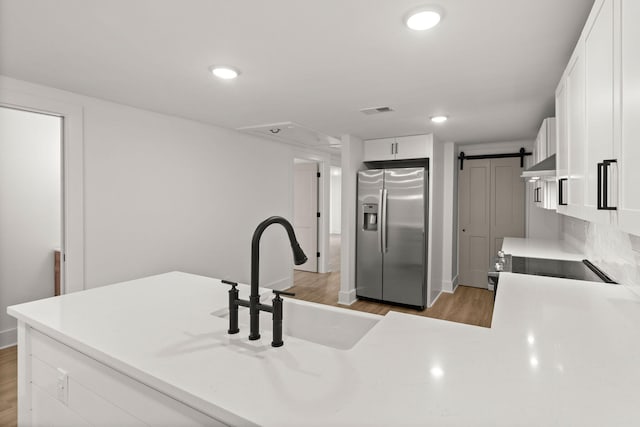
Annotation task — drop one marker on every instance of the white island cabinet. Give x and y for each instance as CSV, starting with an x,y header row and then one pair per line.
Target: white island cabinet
x,y
156,351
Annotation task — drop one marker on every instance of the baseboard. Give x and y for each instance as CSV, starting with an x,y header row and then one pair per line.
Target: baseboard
x,y
436,298
449,286
279,285
8,338
347,298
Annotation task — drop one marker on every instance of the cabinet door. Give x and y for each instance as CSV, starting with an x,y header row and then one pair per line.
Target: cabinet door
x,y
576,134
379,149
562,164
412,147
599,95
541,144
629,152
550,139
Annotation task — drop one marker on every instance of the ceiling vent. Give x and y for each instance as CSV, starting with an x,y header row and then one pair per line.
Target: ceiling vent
x,y
376,110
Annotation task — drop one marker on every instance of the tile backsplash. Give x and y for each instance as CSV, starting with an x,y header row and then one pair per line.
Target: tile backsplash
x,y
615,252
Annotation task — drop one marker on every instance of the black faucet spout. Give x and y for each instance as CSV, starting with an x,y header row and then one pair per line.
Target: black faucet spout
x,y
298,258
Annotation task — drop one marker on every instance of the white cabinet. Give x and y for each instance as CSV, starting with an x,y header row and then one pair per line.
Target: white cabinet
x,y
400,148
575,134
562,147
629,143
598,112
545,144
544,191
379,149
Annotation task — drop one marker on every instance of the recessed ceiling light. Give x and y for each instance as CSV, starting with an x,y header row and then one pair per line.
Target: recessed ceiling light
x,y
439,119
224,72
423,20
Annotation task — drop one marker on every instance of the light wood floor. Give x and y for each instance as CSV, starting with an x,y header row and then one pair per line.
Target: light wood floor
x,y
8,387
467,304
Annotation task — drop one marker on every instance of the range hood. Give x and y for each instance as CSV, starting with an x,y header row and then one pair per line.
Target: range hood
x,y
542,170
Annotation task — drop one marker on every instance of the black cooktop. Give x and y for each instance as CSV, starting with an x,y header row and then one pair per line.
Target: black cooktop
x,y
577,270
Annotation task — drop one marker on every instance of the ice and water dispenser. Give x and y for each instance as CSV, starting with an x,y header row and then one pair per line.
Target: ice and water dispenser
x,y
370,220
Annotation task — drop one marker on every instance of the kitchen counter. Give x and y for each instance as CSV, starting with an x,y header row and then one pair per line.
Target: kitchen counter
x,y
541,248
560,352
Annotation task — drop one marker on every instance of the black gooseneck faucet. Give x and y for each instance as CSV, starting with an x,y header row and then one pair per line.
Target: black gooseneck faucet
x,y
254,299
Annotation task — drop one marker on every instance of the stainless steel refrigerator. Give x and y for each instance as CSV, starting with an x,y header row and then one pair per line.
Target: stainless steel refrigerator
x,y
391,244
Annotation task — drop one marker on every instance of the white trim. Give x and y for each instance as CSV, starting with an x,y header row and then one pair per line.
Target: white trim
x,y
8,338
347,297
455,283
72,269
436,298
24,374
450,286
280,284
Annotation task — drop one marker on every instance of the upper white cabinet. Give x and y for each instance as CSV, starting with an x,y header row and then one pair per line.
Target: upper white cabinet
x,y
629,143
599,109
544,191
575,88
598,113
400,148
545,144
562,147
380,149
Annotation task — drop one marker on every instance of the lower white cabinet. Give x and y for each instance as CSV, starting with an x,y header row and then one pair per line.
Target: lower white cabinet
x,y
67,388
400,148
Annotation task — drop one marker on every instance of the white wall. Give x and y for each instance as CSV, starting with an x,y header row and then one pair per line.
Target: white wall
x,y
336,199
164,193
615,252
30,205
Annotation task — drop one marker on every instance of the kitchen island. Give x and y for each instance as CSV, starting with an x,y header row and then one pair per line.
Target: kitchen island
x,y
155,351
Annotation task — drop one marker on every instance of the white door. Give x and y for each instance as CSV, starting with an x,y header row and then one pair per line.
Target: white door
x,y
474,183
305,212
507,197
491,204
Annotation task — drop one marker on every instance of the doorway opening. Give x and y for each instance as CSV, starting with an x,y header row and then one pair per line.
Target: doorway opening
x,y
317,216
31,210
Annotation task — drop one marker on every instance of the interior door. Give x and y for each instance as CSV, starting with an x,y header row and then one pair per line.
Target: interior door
x,y
474,224
305,212
403,271
507,207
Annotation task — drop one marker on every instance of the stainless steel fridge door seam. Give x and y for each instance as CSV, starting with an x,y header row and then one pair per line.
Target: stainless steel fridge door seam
x,y
380,239
383,200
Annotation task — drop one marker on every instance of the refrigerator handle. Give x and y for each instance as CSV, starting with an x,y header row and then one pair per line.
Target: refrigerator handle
x,y
383,225
381,202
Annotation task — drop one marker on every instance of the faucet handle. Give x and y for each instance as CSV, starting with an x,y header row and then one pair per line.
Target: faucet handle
x,y
228,282
278,293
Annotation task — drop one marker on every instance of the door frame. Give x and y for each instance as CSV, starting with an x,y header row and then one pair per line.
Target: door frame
x,y
324,182
72,268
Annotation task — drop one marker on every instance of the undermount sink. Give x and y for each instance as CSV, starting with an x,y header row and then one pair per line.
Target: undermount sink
x,y
334,327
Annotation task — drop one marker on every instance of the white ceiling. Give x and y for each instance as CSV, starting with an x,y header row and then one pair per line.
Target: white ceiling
x,y
491,65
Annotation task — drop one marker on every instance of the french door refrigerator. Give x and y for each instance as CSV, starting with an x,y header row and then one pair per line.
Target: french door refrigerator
x,y
391,242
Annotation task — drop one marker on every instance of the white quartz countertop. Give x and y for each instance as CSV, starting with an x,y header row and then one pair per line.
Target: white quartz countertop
x,y
560,352
541,248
